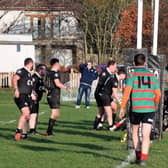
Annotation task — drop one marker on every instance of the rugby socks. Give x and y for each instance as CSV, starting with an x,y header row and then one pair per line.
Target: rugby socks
x,y
32,131
96,122
144,156
51,123
24,136
18,130
114,117
138,155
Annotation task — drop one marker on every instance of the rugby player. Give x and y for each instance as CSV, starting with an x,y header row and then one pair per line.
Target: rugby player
x,y
38,89
22,83
106,87
54,86
143,87
120,76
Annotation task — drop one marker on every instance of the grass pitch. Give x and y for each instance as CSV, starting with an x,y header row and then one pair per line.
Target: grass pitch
x,y
74,144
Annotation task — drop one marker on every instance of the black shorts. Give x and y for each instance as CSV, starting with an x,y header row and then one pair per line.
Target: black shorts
x,y
34,107
23,101
53,100
136,118
103,100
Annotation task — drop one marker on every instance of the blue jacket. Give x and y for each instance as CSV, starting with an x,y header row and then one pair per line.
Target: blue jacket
x,y
87,75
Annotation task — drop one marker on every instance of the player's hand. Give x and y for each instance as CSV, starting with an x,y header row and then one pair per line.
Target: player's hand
x,y
34,95
16,93
122,113
46,91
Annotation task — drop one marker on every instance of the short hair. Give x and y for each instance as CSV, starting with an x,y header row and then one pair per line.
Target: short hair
x,y
121,71
27,61
139,59
39,67
166,67
53,61
111,62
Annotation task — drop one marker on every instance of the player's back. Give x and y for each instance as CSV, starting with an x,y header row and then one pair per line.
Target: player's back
x,y
144,84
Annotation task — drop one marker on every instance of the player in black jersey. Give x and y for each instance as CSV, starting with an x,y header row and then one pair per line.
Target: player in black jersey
x,y
22,83
38,89
54,86
106,87
120,76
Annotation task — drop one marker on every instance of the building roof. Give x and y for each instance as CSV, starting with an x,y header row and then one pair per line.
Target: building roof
x,y
39,5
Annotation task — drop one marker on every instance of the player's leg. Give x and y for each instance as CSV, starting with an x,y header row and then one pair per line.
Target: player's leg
x,y
54,103
55,113
100,111
106,102
33,117
23,104
103,118
136,141
22,124
146,130
108,112
135,119
114,110
147,121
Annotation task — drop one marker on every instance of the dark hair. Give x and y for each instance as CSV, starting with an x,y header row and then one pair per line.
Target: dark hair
x,y
139,59
121,71
53,61
166,67
40,67
27,61
111,62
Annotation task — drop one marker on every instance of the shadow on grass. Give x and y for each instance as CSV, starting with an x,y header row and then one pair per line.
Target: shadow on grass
x,y
93,134
7,133
82,145
83,124
51,149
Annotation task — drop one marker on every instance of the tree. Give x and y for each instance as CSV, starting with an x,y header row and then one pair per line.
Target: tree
x,y
127,29
99,20
163,27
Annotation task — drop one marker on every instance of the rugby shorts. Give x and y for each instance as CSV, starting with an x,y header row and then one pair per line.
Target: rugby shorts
x,y
53,100
103,100
137,118
34,107
24,100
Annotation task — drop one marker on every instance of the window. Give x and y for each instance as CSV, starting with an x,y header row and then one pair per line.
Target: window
x,y
18,48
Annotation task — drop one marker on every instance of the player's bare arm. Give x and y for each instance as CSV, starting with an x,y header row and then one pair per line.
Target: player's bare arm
x,y
61,85
15,85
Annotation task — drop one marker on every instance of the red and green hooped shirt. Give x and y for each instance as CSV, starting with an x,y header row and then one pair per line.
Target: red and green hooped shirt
x,y
143,84
166,80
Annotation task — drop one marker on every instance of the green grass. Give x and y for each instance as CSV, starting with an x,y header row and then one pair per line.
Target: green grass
x,y
74,145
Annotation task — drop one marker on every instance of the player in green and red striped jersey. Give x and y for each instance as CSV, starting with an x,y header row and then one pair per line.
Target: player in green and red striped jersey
x,y
165,112
143,89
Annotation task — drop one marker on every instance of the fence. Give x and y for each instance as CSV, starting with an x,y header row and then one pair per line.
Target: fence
x,y
6,79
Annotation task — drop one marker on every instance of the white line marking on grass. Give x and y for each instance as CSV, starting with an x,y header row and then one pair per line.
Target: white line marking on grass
x,y
127,161
12,121
7,122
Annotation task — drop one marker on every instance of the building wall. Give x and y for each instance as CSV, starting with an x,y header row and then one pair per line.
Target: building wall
x,y
14,49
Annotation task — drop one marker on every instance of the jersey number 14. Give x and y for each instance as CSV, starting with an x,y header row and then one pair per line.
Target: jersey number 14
x,y
142,81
